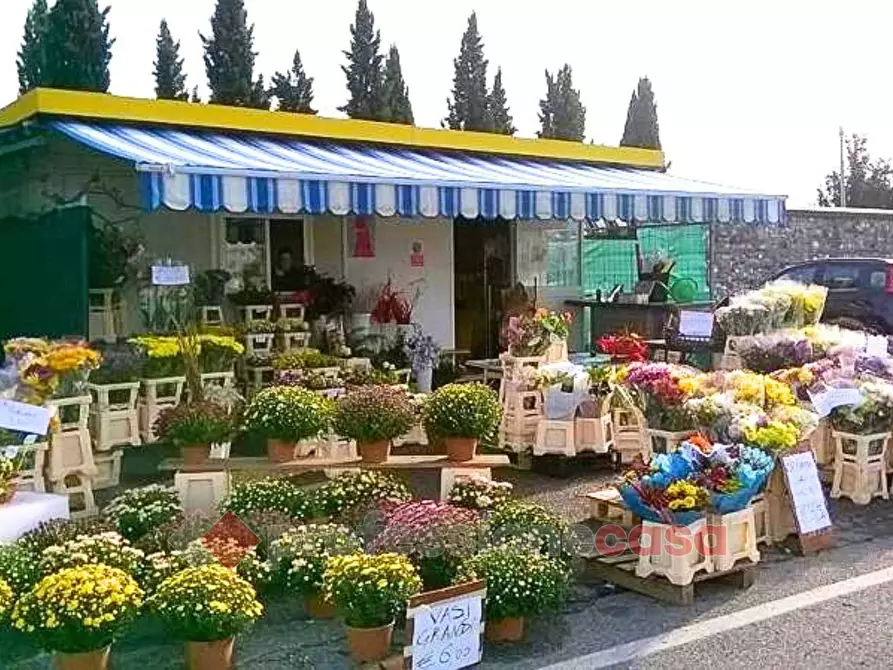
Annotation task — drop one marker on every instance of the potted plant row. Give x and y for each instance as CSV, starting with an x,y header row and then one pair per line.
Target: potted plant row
x,y
461,415
374,416
288,416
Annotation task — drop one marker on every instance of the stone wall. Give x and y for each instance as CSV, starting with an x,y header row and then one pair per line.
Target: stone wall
x,y
744,256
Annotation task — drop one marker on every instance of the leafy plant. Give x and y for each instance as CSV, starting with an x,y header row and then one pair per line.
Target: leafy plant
x,y
462,410
139,511
210,286
195,423
299,556
18,568
107,548
479,493
533,525
520,582
205,603
7,599
79,609
371,414
265,495
60,531
370,590
353,489
288,413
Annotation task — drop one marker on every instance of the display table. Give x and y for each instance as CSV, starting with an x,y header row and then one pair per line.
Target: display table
x,y
648,320
27,510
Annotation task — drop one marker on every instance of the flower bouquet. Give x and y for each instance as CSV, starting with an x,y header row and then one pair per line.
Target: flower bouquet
x,y
628,348
660,391
733,475
369,591
874,415
206,606
374,416
520,583
423,355
79,612
435,536
532,333
287,415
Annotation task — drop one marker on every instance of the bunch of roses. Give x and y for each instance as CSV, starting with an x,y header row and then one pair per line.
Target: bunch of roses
x,y
139,511
107,548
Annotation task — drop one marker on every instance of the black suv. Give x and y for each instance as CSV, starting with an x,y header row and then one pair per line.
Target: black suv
x,y
860,290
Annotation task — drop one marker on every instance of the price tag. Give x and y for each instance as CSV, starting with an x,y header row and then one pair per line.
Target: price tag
x,y
827,400
24,418
807,496
446,633
876,345
170,275
696,324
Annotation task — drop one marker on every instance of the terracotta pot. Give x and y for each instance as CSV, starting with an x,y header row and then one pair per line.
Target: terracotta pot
x,y
369,644
279,451
214,655
319,608
505,630
461,448
375,452
195,454
90,660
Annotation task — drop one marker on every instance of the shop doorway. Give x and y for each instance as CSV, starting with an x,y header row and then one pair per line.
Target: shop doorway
x,y
286,253
483,275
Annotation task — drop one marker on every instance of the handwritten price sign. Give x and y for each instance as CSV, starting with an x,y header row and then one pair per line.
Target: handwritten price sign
x,y
806,492
446,632
24,418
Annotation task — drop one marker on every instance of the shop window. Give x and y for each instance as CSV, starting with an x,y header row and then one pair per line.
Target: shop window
x,y
548,254
244,249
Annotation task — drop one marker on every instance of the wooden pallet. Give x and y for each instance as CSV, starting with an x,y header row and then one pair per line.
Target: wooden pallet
x,y
621,571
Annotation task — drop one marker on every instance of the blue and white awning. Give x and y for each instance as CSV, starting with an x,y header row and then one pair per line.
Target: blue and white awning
x,y
255,173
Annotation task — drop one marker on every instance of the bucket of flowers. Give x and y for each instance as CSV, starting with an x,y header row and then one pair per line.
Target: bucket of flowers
x,y
299,556
374,416
77,613
369,591
423,355
521,583
194,427
206,606
287,416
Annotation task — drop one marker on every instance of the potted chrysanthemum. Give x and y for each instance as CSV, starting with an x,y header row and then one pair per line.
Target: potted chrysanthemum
x,y
369,591
206,606
77,613
137,512
462,414
374,416
286,416
194,427
299,558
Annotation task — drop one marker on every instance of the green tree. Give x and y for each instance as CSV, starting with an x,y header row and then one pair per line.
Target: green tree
x,y
294,89
229,58
642,129
562,115
31,61
364,67
498,108
170,82
77,47
869,182
470,107
396,106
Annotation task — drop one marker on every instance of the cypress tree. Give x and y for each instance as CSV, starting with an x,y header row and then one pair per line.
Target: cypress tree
x,y
170,82
499,109
562,115
642,129
77,47
470,109
31,59
229,58
364,67
396,106
294,89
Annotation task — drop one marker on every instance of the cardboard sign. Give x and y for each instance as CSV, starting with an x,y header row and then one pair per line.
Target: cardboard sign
x,y
807,501
696,324
445,628
827,400
876,345
24,418
170,275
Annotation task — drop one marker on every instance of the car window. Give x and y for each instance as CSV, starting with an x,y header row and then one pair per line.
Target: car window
x,y
842,276
878,280
804,274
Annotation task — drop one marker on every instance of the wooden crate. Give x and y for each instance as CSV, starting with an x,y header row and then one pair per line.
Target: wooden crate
x,y
738,539
114,418
607,506
256,312
860,467
594,434
108,470
555,437
661,558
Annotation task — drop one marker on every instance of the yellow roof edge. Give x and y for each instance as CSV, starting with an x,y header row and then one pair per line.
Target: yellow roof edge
x,y
105,107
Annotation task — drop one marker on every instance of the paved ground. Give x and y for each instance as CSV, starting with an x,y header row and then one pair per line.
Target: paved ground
x,y
601,624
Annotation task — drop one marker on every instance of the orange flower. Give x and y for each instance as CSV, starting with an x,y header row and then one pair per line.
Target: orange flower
x,y
701,441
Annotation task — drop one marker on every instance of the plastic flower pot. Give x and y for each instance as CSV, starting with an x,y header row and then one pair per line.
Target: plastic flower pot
x,y
214,655
375,452
195,454
279,451
461,448
510,629
369,644
90,660
319,608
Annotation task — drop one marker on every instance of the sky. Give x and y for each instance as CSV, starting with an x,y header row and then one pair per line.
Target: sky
x,y
750,94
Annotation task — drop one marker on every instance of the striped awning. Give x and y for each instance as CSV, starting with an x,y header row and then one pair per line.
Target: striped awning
x,y
181,169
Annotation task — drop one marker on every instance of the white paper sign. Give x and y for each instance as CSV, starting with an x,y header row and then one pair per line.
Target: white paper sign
x,y
827,400
876,345
170,275
24,418
696,324
806,492
447,635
